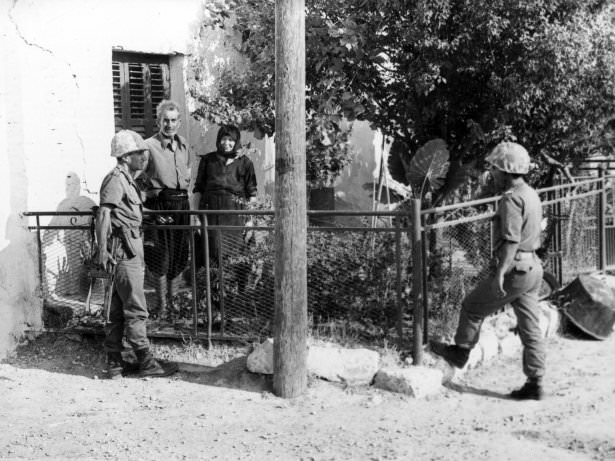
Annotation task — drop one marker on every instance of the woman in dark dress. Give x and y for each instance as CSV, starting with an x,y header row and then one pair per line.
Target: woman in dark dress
x,y
225,181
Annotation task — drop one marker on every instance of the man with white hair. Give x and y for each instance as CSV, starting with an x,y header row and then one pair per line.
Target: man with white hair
x,y
165,182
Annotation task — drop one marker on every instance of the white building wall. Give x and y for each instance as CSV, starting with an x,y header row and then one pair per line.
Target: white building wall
x,y
56,117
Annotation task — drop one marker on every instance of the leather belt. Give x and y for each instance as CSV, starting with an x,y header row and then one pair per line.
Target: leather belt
x,y
524,255
173,194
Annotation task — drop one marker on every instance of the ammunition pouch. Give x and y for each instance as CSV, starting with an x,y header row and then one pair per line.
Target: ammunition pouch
x,y
126,238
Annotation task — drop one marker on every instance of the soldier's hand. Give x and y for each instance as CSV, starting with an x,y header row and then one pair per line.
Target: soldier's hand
x,y
105,260
498,286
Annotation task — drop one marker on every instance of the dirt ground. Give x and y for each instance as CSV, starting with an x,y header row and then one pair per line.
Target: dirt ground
x,y
54,406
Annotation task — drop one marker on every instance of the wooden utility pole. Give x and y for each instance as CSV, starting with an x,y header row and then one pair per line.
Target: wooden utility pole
x,y
290,328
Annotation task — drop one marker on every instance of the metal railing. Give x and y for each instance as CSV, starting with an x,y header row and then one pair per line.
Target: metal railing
x,y
358,279
456,243
373,277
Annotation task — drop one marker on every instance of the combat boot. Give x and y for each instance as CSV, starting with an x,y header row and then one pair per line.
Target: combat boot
x,y
114,365
149,367
130,365
531,390
455,355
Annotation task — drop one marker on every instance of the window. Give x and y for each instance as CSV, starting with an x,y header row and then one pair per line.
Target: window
x,y
140,82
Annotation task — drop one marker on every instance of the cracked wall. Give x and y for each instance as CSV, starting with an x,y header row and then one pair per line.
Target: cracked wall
x,y
56,111
56,114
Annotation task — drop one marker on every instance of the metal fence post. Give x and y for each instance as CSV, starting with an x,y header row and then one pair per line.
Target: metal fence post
x,y
417,282
40,256
221,282
400,306
205,236
602,221
195,318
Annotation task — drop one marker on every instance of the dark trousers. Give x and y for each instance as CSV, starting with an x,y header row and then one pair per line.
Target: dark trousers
x,y
167,250
128,311
223,242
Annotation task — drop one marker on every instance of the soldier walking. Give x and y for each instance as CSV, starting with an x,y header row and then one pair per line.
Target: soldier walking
x,y
518,272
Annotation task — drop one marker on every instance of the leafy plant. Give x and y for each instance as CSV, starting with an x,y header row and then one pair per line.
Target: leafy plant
x,y
426,170
470,73
352,290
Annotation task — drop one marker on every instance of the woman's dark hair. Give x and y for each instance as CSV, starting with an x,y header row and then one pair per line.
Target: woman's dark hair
x,y
233,132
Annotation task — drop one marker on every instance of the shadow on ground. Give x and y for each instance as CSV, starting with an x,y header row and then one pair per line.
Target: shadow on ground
x,y
83,356
465,389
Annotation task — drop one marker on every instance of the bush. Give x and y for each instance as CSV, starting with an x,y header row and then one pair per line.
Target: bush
x,y
351,285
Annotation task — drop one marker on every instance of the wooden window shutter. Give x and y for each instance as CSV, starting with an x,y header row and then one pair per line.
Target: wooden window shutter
x,y
140,82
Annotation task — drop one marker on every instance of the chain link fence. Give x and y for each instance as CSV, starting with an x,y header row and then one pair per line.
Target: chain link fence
x,y
358,275
578,228
364,285
458,247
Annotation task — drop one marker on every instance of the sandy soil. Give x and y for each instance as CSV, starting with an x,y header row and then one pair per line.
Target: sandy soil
x,y
53,406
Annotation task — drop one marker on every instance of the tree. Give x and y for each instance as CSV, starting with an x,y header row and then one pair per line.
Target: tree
x,y
471,72
245,94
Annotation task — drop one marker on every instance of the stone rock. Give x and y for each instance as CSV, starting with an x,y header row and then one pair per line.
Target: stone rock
x,y
333,363
488,343
607,279
550,320
260,359
475,358
327,360
510,346
417,382
503,323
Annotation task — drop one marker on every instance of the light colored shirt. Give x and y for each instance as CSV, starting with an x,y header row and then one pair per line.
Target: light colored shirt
x,y
120,192
518,218
168,164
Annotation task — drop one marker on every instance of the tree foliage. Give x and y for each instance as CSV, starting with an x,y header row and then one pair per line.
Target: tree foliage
x,y
471,72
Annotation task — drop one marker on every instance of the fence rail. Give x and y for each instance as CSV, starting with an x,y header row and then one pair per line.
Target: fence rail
x,y
357,282
373,277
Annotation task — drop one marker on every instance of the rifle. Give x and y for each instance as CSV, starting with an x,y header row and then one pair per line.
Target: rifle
x,y
96,272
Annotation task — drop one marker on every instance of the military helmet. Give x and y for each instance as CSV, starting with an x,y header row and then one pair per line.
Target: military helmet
x,y
510,157
125,142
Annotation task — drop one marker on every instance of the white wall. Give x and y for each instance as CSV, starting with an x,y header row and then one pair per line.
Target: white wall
x,y
56,117
56,114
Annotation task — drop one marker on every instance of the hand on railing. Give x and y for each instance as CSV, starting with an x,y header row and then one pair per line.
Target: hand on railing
x,y
195,221
158,219
161,219
249,233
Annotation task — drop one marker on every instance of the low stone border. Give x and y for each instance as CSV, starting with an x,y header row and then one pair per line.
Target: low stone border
x,y
362,366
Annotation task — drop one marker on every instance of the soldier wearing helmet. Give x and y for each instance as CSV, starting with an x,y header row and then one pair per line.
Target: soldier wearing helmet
x,y
517,273
118,231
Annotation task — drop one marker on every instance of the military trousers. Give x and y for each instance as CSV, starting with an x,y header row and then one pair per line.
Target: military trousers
x,y
128,310
522,285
